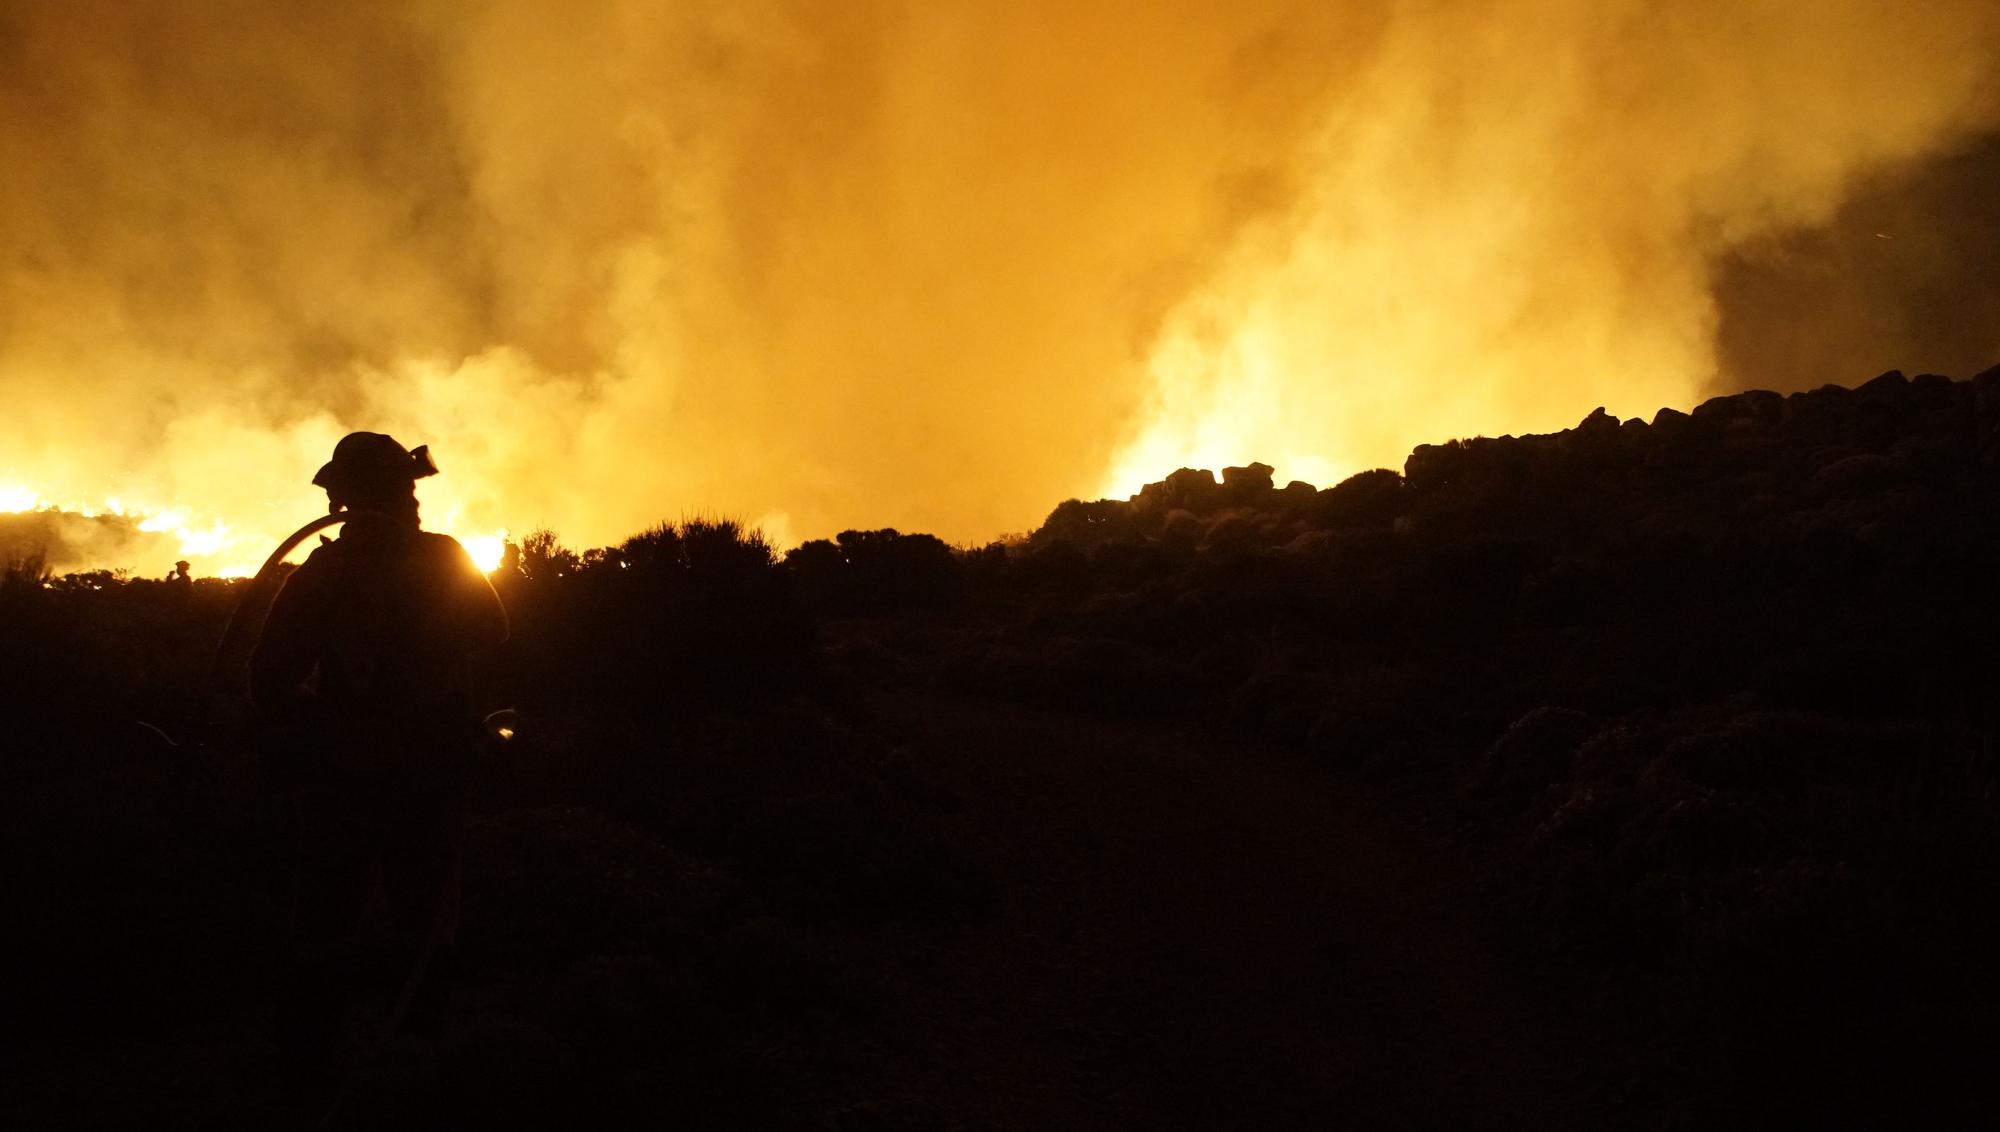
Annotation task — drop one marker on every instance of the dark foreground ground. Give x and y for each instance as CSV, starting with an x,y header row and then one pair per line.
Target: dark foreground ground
x,y
1199,934
1178,931
1638,775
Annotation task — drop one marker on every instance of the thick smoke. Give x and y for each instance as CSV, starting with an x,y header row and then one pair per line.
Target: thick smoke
x,y
1512,213
1906,275
931,265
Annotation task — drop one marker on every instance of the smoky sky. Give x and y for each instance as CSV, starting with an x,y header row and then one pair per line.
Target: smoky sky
x,y
942,265
1905,275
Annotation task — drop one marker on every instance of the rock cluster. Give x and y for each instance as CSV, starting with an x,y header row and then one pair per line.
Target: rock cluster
x,y
1758,453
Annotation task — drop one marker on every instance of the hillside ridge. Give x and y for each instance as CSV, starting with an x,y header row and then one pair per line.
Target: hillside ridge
x,y
1832,442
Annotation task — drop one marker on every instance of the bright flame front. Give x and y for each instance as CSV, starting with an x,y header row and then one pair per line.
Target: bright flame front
x,y
487,551
157,536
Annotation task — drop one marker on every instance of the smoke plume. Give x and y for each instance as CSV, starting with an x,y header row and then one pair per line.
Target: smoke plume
x,y
936,266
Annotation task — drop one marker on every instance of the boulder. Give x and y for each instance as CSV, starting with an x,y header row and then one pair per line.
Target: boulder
x,y
1986,398
1855,475
1743,426
1254,477
1187,485
1939,395
1231,531
1186,489
1598,423
1759,405
1890,386
1310,543
1432,465
1715,410
1831,454
1760,505
1077,520
1826,402
1181,528
1535,750
1370,498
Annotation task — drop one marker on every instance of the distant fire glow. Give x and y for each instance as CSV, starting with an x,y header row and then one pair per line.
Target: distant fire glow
x,y
212,546
14,499
934,266
486,550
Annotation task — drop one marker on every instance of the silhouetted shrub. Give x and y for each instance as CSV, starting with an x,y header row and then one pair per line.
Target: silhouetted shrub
x,y
875,572
1054,565
1365,499
544,559
1535,752
1075,521
676,614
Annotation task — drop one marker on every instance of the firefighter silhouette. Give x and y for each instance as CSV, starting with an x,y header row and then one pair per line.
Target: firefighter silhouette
x,y
362,674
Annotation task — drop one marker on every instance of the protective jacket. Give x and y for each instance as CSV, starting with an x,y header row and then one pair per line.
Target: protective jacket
x,y
388,615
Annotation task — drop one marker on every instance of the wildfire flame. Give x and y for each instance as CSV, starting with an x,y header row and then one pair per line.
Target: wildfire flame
x,y
935,266
215,547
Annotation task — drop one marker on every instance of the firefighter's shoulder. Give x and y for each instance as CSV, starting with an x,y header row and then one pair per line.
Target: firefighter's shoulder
x,y
444,549
324,557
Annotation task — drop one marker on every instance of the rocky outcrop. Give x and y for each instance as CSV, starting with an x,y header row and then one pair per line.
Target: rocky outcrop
x,y
1247,481
1806,459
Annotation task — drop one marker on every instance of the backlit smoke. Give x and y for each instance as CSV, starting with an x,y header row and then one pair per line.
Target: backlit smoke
x,y
937,266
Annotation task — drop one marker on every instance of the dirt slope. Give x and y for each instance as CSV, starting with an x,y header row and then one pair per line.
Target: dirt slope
x,y
1195,934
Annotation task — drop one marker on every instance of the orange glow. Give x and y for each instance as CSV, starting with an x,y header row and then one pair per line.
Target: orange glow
x,y
221,549
486,550
935,266
15,499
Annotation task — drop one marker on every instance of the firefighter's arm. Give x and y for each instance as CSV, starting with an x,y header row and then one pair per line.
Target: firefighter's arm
x,y
289,646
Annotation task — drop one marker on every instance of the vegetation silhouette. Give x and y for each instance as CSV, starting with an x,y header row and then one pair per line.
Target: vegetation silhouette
x,y
1712,692
679,613
1704,700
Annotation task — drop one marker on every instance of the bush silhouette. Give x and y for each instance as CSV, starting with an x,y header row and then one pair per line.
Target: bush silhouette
x,y
876,572
675,614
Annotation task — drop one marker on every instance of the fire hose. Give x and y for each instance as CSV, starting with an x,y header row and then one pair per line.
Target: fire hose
x,y
256,595
498,726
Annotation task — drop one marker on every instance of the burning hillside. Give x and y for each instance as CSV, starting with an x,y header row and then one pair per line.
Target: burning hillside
x,y
1708,694
69,540
1695,713
933,265
136,540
